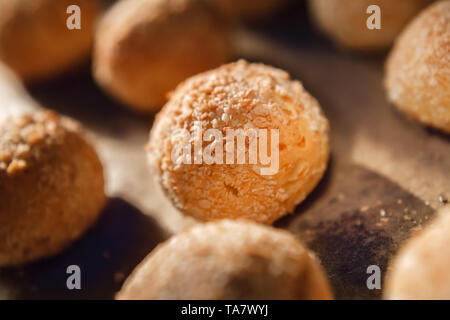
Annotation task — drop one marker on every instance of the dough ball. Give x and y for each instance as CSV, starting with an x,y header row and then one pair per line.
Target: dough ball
x,y
418,68
420,271
251,98
51,186
247,9
35,41
344,21
144,48
228,260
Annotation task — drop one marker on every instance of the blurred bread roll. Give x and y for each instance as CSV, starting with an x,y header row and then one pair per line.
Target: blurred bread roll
x,y
228,260
242,100
420,270
35,41
417,77
51,186
344,21
144,48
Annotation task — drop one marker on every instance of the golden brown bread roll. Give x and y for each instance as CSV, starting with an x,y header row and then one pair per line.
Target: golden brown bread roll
x,y
418,68
344,21
144,48
420,271
247,97
35,41
51,186
228,260
247,9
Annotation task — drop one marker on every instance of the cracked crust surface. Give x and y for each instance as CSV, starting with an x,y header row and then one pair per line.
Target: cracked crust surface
x,y
241,96
144,48
344,21
418,68
420,271
35,41
51,186
228,260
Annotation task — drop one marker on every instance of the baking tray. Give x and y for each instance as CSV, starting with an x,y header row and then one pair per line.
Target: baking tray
x,y
383,183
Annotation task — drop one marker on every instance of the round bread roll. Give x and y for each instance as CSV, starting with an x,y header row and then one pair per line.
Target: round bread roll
x,y
228,260
144,48
418,68
51,186
345,21
420,271
34,38
249,98
247,9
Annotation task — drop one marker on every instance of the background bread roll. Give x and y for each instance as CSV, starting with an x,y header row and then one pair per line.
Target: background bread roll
x,y
35,41
228,260
417,77
420,271
51,186
344,21
144,48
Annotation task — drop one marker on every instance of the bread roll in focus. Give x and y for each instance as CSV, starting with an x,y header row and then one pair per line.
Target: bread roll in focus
x,y
247,101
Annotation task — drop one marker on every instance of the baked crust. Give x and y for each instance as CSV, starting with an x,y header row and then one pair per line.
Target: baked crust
x,y
420,270
35,41
241,96
228,260
418,68
344,21
51,186
144,48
